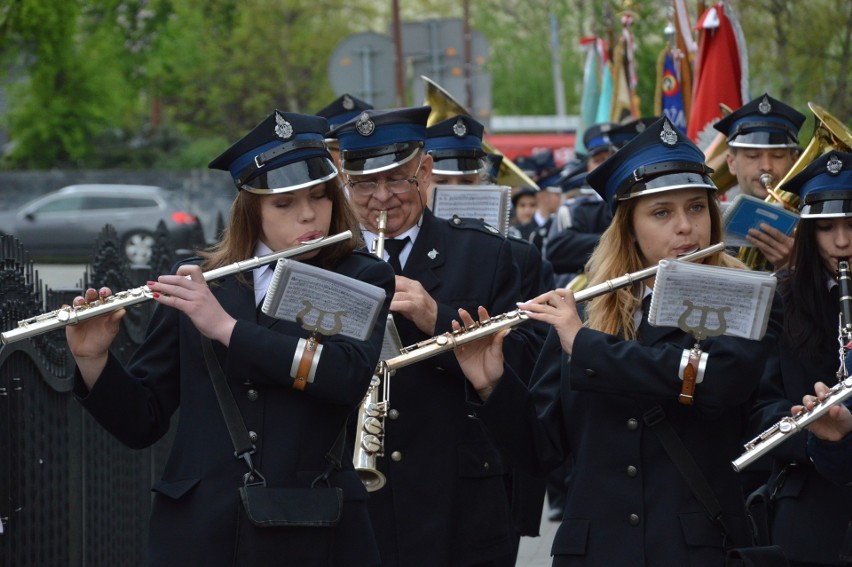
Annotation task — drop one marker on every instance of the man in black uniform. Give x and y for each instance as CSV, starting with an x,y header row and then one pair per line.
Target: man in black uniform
x,y
445,501
763,138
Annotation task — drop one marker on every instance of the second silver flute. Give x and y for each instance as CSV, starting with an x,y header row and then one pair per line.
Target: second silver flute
x,y
449,341
72,315
792,424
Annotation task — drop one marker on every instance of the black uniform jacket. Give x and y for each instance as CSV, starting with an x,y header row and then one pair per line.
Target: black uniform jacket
x,y
627,504
445,502
196,503
570,249
810,513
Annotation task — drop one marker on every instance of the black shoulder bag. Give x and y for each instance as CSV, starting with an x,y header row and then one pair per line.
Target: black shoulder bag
x,y
757,556
317,506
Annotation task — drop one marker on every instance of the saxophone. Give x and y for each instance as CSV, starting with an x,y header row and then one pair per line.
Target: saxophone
x,y
369,438
841,391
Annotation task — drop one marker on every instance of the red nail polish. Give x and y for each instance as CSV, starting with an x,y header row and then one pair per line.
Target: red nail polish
x,y
156,295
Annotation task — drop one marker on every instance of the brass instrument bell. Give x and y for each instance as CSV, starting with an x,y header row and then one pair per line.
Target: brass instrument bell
x,y
444,107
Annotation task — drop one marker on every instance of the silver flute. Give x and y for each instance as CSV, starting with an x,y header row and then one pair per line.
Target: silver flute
x,y
72,315
788,426
450,340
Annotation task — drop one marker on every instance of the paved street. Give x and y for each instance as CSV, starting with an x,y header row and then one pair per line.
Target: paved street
x,y
535,551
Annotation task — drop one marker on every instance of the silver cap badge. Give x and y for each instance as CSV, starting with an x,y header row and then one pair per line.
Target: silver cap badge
x,y
459,129
834,166
668,135
365,125
764,107
348,103
283,129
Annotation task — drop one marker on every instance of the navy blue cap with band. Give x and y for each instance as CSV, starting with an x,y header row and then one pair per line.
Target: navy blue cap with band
x,y
343,109
379,140
762,123
285,152
455,145
661,158
825,186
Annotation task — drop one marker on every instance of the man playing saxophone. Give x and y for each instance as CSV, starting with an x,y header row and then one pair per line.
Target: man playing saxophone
x,y
445,501
762,139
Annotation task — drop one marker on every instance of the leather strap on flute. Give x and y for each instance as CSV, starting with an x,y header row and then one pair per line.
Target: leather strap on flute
x,y
692,367
305,362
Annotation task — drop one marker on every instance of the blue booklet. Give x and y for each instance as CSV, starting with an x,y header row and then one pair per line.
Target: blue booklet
x,y
747,212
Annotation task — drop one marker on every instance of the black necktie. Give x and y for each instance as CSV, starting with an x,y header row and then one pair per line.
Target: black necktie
x,y
394,248
646,309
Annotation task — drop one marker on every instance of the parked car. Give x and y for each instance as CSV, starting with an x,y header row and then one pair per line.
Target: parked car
x,y
63,225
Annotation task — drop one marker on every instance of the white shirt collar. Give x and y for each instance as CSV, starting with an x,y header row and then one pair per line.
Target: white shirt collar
x,y
411,233
262,275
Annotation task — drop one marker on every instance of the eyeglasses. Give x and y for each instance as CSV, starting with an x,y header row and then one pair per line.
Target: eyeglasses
x,y
394,186
367,188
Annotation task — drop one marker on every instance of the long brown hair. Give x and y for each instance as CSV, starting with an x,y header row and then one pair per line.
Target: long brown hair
x,y
244,229
617,253
803,289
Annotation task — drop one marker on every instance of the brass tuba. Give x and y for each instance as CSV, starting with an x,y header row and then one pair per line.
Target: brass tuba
x,y
829,134
444,107
369,437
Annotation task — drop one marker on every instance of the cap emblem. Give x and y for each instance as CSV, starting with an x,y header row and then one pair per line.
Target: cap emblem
x,y
348,103
283,129
365,126
640,127
667,135
459,129
834,165
764,107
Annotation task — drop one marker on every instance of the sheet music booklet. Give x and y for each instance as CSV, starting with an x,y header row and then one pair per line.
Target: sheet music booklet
x,y
324,299
746,212
489,203
717,300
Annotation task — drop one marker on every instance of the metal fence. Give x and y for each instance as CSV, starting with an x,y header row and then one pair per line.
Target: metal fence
x,y
70,494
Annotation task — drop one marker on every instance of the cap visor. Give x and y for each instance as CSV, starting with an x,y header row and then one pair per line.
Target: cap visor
x,y
293,176
368,165
670,182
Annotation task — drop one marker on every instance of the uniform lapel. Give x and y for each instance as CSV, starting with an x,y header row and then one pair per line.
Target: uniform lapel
x,y
428,254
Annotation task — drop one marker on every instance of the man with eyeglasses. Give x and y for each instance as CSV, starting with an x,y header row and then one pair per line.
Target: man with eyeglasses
x,y
444,502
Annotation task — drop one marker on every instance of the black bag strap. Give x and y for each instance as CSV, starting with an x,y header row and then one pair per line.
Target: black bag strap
x,y
243,447
655,418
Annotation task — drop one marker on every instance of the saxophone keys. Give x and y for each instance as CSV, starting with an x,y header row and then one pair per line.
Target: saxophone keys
x,y
373,426
371,444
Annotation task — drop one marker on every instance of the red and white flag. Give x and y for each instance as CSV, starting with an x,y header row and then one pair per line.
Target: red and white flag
x,y
721,71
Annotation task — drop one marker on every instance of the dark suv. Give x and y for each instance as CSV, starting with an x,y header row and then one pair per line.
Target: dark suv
x,y
63,225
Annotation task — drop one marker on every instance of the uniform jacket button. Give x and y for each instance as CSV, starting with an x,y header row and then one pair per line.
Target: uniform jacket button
x,y
393,414
252,436
633,519
632,471
632,424
590,373
396,456
252,395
